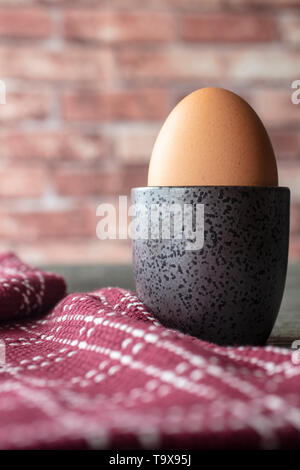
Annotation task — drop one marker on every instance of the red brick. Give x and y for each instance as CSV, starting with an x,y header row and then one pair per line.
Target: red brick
x,y
74,64
264,3
186,5
27,105
290,28
134,176
91,182
176,63
286,144
295,218
289,175
267,64
24,23
87,182
55,224
129,4
113,26
19,182
275,107
294,251
182,62
134,144
115,105
228,27
59,145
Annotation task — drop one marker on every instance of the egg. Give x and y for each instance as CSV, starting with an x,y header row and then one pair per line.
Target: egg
x,y
213,138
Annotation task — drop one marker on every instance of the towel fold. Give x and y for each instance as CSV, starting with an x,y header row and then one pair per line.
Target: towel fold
x,y
26,291
100,371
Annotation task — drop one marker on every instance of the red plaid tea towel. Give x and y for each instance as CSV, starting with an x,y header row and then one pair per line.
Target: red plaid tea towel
x,y
99,371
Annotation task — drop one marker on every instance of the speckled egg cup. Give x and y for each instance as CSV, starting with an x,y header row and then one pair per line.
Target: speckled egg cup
x,y
229,291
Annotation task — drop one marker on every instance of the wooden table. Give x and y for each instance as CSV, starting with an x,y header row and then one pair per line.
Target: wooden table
x,y
285,331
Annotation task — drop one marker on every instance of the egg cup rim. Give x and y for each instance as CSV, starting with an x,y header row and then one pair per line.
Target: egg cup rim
x,y
281,188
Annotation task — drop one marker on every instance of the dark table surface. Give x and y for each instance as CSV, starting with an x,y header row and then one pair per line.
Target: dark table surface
x,y
87,278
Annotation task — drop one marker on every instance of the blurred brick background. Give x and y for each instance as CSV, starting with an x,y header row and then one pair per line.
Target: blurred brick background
x,y
88,86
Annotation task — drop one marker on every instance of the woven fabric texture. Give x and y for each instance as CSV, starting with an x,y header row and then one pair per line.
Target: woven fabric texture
x,y
26,291
99,371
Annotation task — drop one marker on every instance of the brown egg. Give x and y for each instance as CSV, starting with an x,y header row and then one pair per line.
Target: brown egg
x,y
213,138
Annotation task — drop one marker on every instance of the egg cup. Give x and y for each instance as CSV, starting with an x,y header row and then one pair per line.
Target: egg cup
x,y
227,287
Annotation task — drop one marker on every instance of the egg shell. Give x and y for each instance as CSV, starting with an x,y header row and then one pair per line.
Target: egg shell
x,y
213,138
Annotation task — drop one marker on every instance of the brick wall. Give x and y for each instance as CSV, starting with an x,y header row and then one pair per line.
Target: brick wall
x,y
88,85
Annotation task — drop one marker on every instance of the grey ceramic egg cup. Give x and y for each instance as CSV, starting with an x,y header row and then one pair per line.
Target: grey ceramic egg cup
x,y
230,290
